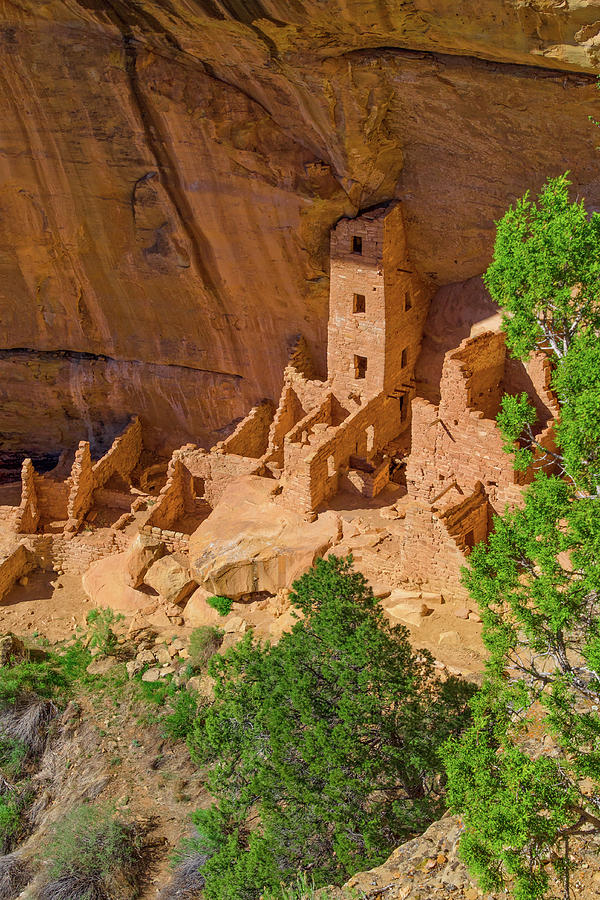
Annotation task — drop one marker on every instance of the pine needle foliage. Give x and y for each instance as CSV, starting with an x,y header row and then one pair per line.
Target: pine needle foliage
x,y
526,775
323,749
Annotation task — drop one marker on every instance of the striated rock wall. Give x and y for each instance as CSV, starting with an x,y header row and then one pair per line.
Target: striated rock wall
x,y
170,171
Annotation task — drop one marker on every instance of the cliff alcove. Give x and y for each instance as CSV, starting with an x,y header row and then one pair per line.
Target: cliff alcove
x,y
171,171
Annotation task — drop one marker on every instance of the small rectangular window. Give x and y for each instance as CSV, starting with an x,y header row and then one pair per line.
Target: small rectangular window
x,y
407,301
356,244
360,366
359,303
404,359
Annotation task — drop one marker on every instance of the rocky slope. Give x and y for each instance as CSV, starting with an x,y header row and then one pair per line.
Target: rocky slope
x,y
170,170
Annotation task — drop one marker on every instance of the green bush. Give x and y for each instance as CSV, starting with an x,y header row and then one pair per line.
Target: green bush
x,y
100,634
179,724
323,748
94,855
223,605
204,643
10,820
13,753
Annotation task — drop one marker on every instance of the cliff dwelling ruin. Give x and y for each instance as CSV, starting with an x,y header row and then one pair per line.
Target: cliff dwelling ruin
x,y
374,442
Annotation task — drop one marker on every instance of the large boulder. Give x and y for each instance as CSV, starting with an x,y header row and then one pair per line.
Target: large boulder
x,y
250,543
171,580
105,583
197,612
144,551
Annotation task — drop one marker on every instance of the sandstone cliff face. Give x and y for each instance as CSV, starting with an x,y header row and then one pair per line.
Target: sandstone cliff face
x,y
170,170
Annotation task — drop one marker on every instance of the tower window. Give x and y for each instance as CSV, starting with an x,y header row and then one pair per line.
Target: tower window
x,y
404,358
407,301
356,244
359,303
360,366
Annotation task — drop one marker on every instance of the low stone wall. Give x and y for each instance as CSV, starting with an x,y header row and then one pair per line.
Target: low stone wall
x,y
74,554
210,472
174,540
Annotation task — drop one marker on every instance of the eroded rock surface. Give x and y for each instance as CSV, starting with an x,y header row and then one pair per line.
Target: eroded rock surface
x,y
170,174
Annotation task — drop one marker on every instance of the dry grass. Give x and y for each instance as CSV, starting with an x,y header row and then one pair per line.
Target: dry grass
x,y
15,874
187,881
27,721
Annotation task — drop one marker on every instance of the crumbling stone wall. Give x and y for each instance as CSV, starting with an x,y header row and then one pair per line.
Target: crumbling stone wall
x,y
27,514
313,468
456,442
46,498
251,437
122,457
434,548
174,497
81,486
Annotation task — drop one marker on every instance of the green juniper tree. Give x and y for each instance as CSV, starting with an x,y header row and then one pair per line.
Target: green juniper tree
x,y
526,775
323,749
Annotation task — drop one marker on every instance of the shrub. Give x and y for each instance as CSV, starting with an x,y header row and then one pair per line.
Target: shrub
x,y
13,753
94,856
223,605
324,748
101,636
10,820
179,724
24,728
204,643
15,874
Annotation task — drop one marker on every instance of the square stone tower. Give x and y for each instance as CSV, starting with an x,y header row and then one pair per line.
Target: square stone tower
x,y
377,306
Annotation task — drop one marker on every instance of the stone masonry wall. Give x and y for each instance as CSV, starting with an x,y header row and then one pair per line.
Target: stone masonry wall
x,y
81,486
312,475
122,457
434,549
452,443
377,307
173,497
213,470
251,436
28,514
